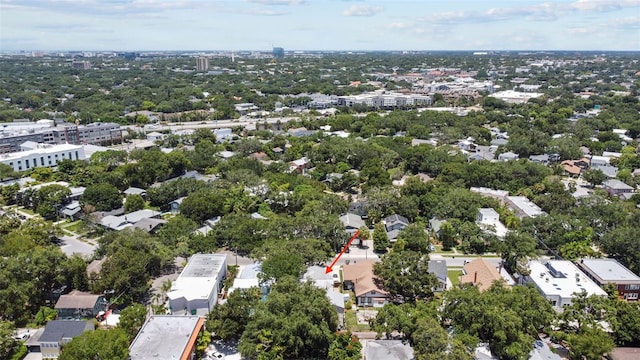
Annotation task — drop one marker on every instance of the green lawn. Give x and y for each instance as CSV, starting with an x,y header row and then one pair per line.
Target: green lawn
x,y
352,322
453,274
27,211
72,226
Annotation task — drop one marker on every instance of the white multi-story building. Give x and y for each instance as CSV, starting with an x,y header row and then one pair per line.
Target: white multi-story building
x,y
559,281
195,291
42,155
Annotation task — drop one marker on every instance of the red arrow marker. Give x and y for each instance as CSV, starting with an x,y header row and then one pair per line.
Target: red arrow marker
x,y
330,267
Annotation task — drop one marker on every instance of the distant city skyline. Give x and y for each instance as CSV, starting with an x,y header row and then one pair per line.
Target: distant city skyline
x,y
139,25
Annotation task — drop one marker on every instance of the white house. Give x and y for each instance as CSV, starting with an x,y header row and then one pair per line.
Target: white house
x,y
508,156
489,220
196,290
559,281
42,155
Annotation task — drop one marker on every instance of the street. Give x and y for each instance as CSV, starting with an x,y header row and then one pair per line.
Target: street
x,y
71,246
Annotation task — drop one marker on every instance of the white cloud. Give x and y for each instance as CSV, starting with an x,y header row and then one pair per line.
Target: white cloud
x,y
362,10
278,2
398,25
604,5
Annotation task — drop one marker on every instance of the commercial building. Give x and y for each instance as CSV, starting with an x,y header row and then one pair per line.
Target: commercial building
x,y
202,64
12,135
167,337
559,281
610,271
42,155
196,290
278,52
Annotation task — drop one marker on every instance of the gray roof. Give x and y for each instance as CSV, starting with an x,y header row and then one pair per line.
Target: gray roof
x,y
608,270
77,300
393,234
71,212
56,330
352,220
148,224
617,185
541,351
317,273
439,269
539,158
388,350
135,190
395,219
164,337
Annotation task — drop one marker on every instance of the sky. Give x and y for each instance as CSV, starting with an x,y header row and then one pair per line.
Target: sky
x,y
127,25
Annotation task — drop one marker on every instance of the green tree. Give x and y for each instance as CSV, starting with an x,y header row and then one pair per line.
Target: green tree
x,y
345,346
509,319
405,275
131,319
110,344
229,320
415,238
515,250
102,196
589,344
447,236
44,315
380,239
7,343
133,202
296,321
594,177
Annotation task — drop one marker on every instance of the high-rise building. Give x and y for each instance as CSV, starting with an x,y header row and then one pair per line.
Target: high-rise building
x,y
278,52
202,64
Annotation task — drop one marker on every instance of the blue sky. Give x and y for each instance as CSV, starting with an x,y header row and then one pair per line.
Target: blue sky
x,y
319,25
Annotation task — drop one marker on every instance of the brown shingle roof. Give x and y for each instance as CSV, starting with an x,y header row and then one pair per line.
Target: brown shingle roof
x,y
361,274
77,300
480,273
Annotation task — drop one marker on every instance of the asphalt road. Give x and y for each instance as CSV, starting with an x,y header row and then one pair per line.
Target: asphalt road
x,y
72,246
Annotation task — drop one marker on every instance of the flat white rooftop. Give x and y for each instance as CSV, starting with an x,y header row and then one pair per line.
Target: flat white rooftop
x,y
164,337
524,204
609,271
561,278
199,278
42,149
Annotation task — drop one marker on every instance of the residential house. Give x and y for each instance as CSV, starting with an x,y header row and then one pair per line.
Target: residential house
x,y
540,159
499,195
439,269
174,206
167,337
71,211
610,271
388,350
508,156
155,136
489,220
352,222
150,225
570,168
480,273
319,277
435,225
57,333
467,145
118,223
523,207
559,281
226,154
598,162
135,191
299,165
78,305
248,277
393,225
617,187
196,289
541,351
359,277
